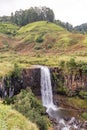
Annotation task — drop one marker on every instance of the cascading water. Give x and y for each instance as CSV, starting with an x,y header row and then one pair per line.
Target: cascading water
x,y
47,100
46,88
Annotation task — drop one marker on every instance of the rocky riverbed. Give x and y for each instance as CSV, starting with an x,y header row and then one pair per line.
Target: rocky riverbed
x,y
67,117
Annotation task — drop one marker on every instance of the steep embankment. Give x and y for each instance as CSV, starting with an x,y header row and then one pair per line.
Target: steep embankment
x,y
46,37
12,120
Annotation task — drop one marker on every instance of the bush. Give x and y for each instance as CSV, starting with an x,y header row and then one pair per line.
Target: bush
x,y
62,90
84,115
12,120
62,64
83,94
84,68
38,47
71,64
39,39
32,108
16,71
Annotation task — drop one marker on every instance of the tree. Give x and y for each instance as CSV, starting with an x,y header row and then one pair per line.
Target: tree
x,y
23,17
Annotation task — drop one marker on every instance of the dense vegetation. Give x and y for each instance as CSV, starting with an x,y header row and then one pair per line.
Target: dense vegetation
x,y
13,120
82,28
23,17
66,25
27,104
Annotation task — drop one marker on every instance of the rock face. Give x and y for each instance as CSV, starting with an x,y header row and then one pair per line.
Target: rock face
x,y
30,77
70,83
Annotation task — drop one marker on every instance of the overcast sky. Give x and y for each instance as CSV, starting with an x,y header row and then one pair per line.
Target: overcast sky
x,y
72,11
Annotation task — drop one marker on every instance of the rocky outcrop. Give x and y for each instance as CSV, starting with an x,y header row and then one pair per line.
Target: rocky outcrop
x,y
70,83
62,82
31,78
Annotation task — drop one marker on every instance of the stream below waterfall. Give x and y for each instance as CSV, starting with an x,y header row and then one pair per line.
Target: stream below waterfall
x,y
62,117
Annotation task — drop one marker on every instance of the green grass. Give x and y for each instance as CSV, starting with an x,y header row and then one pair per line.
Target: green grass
x,y
8,28
12,120
41,43
46,36
8,59
41,26
31,32
78,103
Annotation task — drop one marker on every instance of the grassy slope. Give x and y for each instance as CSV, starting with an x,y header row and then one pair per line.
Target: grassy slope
x,y
40,43
47,37
39,36
8,28
12,120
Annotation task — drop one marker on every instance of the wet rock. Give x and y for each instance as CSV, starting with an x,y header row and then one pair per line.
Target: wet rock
x,y
57,127
72,121
61,123
66,118
85,124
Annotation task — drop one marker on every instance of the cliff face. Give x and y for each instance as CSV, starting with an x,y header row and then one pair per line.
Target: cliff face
x,y
31,78
69,83
61,82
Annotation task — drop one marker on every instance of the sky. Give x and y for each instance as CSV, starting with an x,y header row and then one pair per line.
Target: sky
x,y
72,11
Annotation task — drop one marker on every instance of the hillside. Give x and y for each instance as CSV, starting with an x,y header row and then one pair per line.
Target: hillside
x,y
8,28
46,37
39,43
12,120
42,37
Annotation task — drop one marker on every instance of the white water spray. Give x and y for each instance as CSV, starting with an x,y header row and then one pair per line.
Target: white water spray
x,y
46,88
47,97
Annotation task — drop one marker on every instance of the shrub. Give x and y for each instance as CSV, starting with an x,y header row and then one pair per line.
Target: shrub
x,y
62,90
13,120
84,68
38,47
32,108
62,63
83,94
84,115
39,39
71,64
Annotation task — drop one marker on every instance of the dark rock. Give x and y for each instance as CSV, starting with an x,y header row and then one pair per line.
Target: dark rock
x,y
31,77
66,118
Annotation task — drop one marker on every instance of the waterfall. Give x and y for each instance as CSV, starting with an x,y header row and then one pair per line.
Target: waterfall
x,y
46,88
47,100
